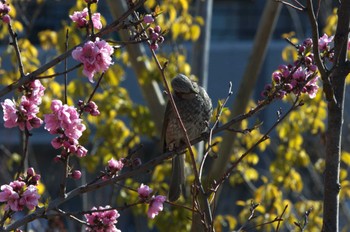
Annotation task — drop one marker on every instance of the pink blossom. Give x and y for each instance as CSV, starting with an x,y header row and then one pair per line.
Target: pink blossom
x,y
148,18
17,185
299,74
115,165
76,174
52,124
155,206
312,87
96,20
6,193
81,151
4,8
28,110
6,18
10,113
324,41
91,108
66,122
9,195
80,18
102,220
64,118
36,91
55,105
30,197
30,171
144,192
96,57
155,36
22,115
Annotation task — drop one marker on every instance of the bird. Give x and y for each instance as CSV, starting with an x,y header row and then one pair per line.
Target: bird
x,y
195,109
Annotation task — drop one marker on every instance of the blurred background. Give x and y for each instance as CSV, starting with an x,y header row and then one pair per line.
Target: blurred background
x,y
229,41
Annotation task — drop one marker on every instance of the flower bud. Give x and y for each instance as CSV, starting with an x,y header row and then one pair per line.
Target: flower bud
x,y
30,172
76,175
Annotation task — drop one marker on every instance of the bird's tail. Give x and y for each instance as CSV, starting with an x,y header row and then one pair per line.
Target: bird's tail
x,y
177,182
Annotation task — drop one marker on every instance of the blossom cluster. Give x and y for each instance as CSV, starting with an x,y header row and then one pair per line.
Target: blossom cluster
x,y
21,192
95,56
4,12
23,114
302,75
80,18
155,202
154,33
65,121
113,168
89,107
155,36
102,220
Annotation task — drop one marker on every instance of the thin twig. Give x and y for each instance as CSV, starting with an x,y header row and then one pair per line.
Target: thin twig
x,y
71,216
280,217
91,23
264,137
327,88
14,43
96,87
218,116
300,8
65,68
60,73
63,184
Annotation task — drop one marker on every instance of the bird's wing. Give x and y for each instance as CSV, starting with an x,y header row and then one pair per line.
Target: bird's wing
x,y
165,125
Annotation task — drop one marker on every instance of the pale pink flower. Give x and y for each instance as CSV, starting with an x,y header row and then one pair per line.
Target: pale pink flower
x,y
4,8
148,18
52,124
102,220
115,165
28,110
155,206
6,18
95,56
299,74
12,201
10,113
81,151
144,192
36,92
56,105
17,185
65,121
90,107
30,171
76,174
80,18
324,41
96,20
30,197
10,196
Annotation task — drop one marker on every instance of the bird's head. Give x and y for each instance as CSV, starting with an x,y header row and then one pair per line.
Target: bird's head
x,y
183,85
